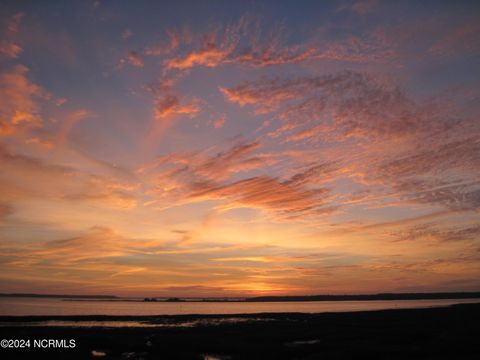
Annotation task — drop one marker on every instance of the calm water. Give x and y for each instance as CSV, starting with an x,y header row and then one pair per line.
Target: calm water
x,y
35,306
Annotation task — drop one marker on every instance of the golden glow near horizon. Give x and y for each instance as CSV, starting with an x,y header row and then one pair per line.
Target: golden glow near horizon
x,y
239,149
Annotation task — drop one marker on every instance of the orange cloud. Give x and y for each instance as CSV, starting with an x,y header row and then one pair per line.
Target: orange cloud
x,y
37,141
114,199
134,59
287,199
83,250
238,158
6,128
12,160
19,100
210,57
192,177
170,105
239,43
248,258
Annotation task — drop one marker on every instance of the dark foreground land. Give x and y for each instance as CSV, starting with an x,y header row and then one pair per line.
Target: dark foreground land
x,y
437,333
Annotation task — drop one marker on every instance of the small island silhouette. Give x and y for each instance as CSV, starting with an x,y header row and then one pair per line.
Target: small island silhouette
x,y
173,299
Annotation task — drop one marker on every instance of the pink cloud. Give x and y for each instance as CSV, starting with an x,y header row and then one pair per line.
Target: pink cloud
x,y
238,43
8,46
219,122
170,105
240,157
361,113
284,198
192,177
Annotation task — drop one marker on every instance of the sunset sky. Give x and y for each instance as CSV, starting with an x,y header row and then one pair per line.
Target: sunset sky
x,y
239,148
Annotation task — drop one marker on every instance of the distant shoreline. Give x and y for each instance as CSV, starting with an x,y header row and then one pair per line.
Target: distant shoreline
x,y
59,296
355,297
366,297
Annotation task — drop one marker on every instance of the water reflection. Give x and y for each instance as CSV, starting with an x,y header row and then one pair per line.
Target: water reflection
x,y
159,322
35,306
96,353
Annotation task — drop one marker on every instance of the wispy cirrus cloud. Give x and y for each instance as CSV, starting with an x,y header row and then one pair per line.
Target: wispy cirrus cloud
x,y
115,199
194,177
8,46
344,104
29,163
91,247
19,101
236,43
349,108
194,166
169,105
287,199
175,39
28,177
167,102
436,233
132,58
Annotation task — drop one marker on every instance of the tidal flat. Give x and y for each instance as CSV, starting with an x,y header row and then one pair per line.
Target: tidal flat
x,y
432,333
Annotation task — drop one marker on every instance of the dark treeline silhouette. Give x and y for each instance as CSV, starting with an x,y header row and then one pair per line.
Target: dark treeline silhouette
x,y
386,296
61,296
